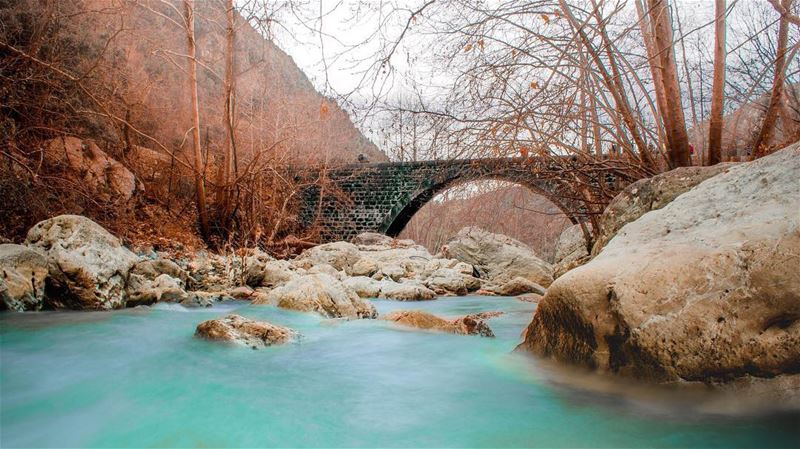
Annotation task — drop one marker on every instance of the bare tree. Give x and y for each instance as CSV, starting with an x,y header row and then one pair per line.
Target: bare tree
x,y
199,166
718,86
672,112
227,168
778,80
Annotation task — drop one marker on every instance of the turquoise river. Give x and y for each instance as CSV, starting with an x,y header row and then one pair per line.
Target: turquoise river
x,y
138,378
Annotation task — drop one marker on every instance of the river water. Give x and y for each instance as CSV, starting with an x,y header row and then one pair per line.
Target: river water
x,y
137,378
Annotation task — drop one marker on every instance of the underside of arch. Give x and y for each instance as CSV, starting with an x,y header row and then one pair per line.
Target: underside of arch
x,y
404,210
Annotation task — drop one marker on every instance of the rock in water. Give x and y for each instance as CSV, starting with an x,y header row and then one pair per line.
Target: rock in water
x,y
22,276
707,287
649,194
519,286
239,330
499,258
88,266
319,293
467,325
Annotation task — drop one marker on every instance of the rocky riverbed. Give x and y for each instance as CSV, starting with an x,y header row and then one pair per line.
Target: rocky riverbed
x,y
693,276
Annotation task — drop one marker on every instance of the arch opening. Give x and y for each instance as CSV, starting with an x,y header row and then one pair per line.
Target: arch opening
x,y
520,211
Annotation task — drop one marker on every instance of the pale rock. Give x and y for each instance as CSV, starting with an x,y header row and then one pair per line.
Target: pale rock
x,y
650,194
391,271
339,255
405,291
319,293
363,286
372,238
22,277
365,266
448,280
242,292
571,249
88,267
327,269
163,288
497,258
706,287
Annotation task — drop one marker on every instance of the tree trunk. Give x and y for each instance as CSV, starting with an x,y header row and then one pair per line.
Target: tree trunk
x,y
717,88
199,178
224,171
675,125
658,85
779,78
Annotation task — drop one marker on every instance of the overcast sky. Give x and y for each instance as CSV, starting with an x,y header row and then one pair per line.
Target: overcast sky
x,y
343,74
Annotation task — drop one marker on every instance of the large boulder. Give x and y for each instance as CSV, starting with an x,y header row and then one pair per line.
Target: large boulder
x,y
212,272
466,325
88,267
649,194
243,331
451,281
92,166
22,276
156,280
363,286
163,288
393,258
269,273
571,249
253,267
364,266
339,255
405,291
497,257
372,238
707,287
319,293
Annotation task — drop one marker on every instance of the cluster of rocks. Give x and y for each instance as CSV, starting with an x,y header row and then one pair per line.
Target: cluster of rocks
x,y
694,277
71,262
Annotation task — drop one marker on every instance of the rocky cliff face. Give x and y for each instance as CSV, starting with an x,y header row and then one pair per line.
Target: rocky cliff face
x,y
707,287
277,106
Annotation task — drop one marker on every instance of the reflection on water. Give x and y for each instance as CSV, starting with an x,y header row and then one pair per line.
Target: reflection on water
x,y
138,378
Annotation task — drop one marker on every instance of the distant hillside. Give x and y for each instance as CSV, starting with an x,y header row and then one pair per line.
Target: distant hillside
x,y
278,108
511,210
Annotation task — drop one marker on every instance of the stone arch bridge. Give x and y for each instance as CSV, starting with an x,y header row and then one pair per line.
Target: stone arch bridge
x,y
382,197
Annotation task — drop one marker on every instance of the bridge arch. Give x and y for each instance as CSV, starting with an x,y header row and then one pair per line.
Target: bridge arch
x,y
383,197
405,209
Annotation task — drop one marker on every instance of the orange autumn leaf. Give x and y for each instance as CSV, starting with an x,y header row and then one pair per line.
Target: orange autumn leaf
x,y
545,19
468,47
534,85
323,111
